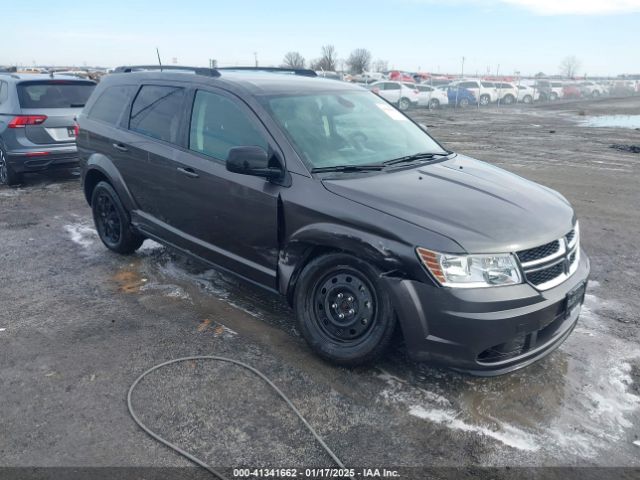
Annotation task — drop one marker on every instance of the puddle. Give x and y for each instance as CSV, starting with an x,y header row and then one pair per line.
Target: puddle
x,y
612,121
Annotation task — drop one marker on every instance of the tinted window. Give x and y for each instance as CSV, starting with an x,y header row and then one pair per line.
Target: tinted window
x,y
468,85
54,94
392,86
157,112
111,103
218,124
4,92
488,84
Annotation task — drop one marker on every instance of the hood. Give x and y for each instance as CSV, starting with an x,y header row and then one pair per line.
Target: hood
x,y
481,207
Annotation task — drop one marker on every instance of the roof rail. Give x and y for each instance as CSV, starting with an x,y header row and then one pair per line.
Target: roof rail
x,y
304,72
209,72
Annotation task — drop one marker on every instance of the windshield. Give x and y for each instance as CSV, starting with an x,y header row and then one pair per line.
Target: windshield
x,y
54,94
347,128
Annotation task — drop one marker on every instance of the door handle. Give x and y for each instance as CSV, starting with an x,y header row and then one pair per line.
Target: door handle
x,y
189,172
120,147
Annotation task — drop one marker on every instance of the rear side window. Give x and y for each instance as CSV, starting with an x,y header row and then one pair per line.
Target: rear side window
x,y
218,124
157,112
54,93
111,103
4,92
392,86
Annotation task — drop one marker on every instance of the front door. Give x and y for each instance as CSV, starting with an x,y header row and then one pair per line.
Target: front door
x,y
227,218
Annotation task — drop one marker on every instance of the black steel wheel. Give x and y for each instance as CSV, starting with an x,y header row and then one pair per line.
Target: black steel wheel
x,y
112,221
343,312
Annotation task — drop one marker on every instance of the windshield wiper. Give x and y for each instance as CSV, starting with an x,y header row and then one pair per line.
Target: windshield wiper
x,y
415,157
347,168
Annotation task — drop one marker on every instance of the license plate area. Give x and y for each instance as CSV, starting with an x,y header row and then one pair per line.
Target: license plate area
x,y
575,297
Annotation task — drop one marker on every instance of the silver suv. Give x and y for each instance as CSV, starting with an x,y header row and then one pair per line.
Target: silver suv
x,y
37,122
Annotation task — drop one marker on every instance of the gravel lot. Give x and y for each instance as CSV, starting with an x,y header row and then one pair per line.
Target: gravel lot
x,y
78,324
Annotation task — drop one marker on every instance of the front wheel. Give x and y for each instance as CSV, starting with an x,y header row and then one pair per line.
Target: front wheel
x,y
464,103
508,99
485,100
404,104
112,222
553,96
343,310
7,175
434,103
527,99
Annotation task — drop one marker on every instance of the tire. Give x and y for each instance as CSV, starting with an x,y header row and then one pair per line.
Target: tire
x,y
528,99
553,96
404,104
485,100
112,221
7,175
595,94
340,284
464,102
434,103
508,99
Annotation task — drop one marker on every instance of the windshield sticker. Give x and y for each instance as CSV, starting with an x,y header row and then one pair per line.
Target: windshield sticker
x,y
392,112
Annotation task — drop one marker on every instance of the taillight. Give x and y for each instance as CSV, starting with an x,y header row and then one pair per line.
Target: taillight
x,y
76,130
22,121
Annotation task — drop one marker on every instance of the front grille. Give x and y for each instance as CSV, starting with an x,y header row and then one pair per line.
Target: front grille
x,y
546,275
572,258
538,253
570,236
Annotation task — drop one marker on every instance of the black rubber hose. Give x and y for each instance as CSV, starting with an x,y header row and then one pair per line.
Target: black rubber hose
x,y
195,459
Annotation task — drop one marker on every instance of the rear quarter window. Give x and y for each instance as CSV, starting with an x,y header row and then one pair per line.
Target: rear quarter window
x,y
111,104
4,92
54,93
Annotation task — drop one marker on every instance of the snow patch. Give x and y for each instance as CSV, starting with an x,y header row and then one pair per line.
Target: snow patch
x,y
82,234
508,434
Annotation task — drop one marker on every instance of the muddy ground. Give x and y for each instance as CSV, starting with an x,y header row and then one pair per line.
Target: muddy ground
x,y
78,324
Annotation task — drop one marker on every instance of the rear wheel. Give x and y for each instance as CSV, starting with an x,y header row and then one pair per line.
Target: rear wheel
x,y
464,102
508,99
434,103
112,221
485,99
7,175
595,94
343,310
527,99
553,96
404,104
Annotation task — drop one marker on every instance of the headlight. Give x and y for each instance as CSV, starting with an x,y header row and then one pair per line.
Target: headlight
x,y
471,271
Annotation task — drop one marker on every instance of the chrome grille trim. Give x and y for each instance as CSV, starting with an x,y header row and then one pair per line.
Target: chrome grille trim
x,y
568,255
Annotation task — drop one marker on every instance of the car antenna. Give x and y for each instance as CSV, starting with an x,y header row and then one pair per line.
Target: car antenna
x,y
159,61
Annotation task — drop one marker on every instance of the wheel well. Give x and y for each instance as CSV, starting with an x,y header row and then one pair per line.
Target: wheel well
x,y
92,178
314,251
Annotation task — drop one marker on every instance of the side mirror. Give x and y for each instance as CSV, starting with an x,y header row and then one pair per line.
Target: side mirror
x,y
252,161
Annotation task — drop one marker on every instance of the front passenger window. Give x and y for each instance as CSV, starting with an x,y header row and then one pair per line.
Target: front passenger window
x,y
218,125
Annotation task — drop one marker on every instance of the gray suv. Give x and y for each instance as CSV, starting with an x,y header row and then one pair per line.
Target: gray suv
x,y
37,122
327,194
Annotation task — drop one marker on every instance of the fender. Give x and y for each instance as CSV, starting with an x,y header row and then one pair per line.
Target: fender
x,y
323,237
98,162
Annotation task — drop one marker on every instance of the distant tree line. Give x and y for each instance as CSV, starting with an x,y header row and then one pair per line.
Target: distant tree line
x,y
358,61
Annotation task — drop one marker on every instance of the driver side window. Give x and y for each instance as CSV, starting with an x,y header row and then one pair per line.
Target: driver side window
x,y
218,125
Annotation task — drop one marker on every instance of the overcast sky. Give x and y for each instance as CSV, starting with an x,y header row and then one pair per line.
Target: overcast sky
x,y
427,35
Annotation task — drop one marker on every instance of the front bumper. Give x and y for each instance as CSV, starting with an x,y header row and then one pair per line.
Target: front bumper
x,y
485,331
43,158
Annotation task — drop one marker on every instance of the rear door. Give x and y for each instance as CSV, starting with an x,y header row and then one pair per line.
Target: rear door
x,y
58,102
146,152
